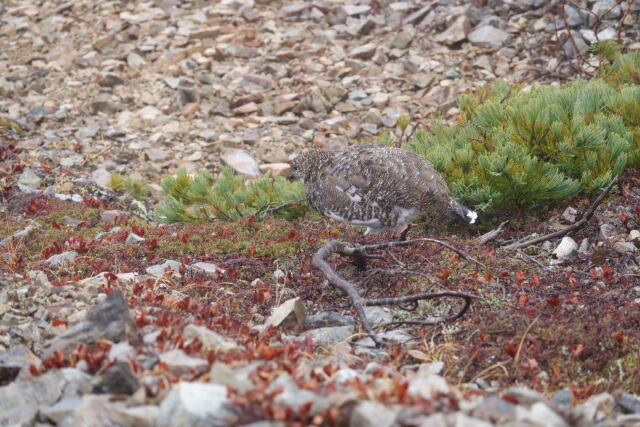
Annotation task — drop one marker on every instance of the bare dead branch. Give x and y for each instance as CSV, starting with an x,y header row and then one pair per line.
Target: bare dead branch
x,y
358,302
573,227
491,235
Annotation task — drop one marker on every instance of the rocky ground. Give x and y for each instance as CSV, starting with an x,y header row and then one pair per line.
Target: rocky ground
x,y
108,319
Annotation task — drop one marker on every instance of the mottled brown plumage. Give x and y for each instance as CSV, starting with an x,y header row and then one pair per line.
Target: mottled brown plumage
x,y
376,186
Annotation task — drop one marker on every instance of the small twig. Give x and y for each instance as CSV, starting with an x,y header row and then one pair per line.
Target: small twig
x,y
516,359
575,226
352,250
266,211
491,235
349,250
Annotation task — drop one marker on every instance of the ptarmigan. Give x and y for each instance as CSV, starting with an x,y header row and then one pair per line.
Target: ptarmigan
x,y
378,187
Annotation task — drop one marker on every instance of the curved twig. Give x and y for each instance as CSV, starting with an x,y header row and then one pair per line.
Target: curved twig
x,y
575,226
353,250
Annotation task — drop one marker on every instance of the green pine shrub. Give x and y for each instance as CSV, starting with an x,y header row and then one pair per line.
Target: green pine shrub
x,y
229,197
136,188
515,148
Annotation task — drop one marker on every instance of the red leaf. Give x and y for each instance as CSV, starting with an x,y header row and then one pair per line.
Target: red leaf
x,y
511,348
553,300
577,350
523,299
520,277
618,336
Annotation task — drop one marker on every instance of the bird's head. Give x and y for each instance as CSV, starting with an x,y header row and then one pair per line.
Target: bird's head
x,y
463,214
308,162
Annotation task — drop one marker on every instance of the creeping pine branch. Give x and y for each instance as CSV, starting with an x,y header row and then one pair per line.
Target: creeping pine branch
x,y
408,302
573,227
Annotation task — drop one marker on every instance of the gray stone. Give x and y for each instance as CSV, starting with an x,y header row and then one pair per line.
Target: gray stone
x,y
16,361
195,405
540,414
402,40
111,216
608,232
624,248
209,339
238,378
330,334
378,315
364,52
456,32
159,270
596,408
628,401
179,362
94,410
488,35
291,314
607,9
634,236
116,379
20,400
524,395
359,9
122,351
140,416
109,319
28,181
62,259
369,413
566,249
495,410
425,385
241,162
570,214
59,410
574,18
329,318
133,239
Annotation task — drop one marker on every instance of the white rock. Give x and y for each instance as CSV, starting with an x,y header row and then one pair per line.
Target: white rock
x,y
62,259
28,181
208,338
208,268
149,114
159,269
456,32
540,414
196,405
241,162
488,35
290,314
276,169
133,239
566,249
178,361
369,413
426,385
352,10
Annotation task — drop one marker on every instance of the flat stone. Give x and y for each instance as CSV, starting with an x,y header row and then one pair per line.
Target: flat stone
x,y
624,248
62,259
369,413
133,239
427,385
456,32
238,378
28,181
358,9
20,400
329,318
93,410
365,51
116,379
196,405
209,339
160,270
241,162
179,362
109,319
488,35
566,249
330,334
276,169
291,314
